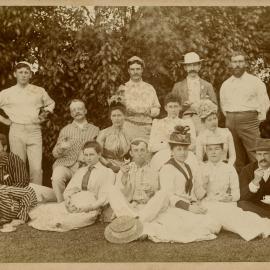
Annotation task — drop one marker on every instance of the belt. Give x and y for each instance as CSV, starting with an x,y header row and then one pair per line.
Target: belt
x,y
244,112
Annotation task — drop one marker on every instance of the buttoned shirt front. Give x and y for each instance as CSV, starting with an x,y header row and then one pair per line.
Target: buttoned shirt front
x,y
221,179
247,93
194,89
142,183
140,98
100,180
22,105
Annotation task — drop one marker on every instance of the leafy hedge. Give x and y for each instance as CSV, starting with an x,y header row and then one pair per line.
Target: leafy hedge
x,y
82,53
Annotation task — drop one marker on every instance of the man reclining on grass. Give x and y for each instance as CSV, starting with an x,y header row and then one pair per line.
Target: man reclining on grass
x,y
84,197
17,196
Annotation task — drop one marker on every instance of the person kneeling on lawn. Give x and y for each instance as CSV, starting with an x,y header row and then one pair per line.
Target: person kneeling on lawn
x,y
84,197
218,189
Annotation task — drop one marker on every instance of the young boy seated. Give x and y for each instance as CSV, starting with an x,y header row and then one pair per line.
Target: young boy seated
x,y
218,189
85,196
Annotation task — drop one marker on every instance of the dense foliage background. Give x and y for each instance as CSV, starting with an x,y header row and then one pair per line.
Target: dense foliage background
x,y
82,51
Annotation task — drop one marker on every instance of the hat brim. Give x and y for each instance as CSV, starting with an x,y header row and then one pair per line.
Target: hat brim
x,y
118,240
199,61
179,143
260,149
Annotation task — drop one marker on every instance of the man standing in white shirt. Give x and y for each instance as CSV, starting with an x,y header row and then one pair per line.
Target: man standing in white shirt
x,y
27,106
244,102
255,181
192,89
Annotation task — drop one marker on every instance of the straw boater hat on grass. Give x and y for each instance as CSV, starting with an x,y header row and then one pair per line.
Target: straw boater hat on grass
x,y
261,144
205,108
123,229
180,136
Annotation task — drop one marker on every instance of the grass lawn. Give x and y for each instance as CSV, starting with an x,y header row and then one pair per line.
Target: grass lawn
x,y
88,245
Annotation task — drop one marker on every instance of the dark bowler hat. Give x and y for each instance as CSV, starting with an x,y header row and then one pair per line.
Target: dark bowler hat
x,y
180,135
261,144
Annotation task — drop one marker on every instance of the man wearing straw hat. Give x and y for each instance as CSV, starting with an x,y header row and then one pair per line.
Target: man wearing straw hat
x,y
255,181
193,88
27,106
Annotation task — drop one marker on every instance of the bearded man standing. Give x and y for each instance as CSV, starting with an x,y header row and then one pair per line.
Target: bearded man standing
x,y
244,102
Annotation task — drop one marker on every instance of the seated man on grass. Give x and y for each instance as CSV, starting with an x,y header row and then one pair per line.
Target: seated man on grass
x,y
84,197
135,193
219,191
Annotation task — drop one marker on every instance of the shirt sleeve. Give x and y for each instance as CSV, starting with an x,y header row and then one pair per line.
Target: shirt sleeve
x,y
232,154
57,150
166,177
253,188
199,148
263,100
105,187
155,102
75,182
223,99
212,94
156,142
48,103
234,185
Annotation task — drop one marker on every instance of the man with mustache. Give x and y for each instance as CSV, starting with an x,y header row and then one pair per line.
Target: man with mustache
x,y
255,181
68,147
244,102
192,89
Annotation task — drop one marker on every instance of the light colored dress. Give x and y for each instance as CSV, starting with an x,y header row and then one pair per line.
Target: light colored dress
x,y
159,136
228,148
115,143
175,224
56,217
218,180
142,104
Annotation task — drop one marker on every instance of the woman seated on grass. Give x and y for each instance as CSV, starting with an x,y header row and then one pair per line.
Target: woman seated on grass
x,y
114,139
161,130
207,111
85,196
218,190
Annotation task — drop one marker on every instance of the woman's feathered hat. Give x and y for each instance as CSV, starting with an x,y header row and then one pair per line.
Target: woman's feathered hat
x,y
180,135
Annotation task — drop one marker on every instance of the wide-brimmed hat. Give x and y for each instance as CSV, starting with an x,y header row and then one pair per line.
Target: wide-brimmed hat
x,y
206,107
261,144
135,58
189,111
123,229
180,136
191,57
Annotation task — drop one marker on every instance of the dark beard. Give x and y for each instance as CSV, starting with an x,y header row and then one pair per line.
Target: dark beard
x,y
238,72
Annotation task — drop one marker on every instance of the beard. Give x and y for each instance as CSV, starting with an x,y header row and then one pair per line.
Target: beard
x,y
238,72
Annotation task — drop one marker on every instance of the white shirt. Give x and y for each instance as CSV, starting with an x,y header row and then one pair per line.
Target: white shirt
x,y
22,105
247,93
253,188
100,180
194,89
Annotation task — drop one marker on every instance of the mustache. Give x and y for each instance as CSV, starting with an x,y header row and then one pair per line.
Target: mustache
x,y
262,160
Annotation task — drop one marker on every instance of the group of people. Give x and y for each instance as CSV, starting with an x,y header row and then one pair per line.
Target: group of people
x,y
180,178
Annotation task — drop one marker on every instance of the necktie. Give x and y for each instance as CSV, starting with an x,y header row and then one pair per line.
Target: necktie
x,y
86,178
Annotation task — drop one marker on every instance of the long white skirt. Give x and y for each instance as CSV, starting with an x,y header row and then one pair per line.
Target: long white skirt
x,y
232,218
177,225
